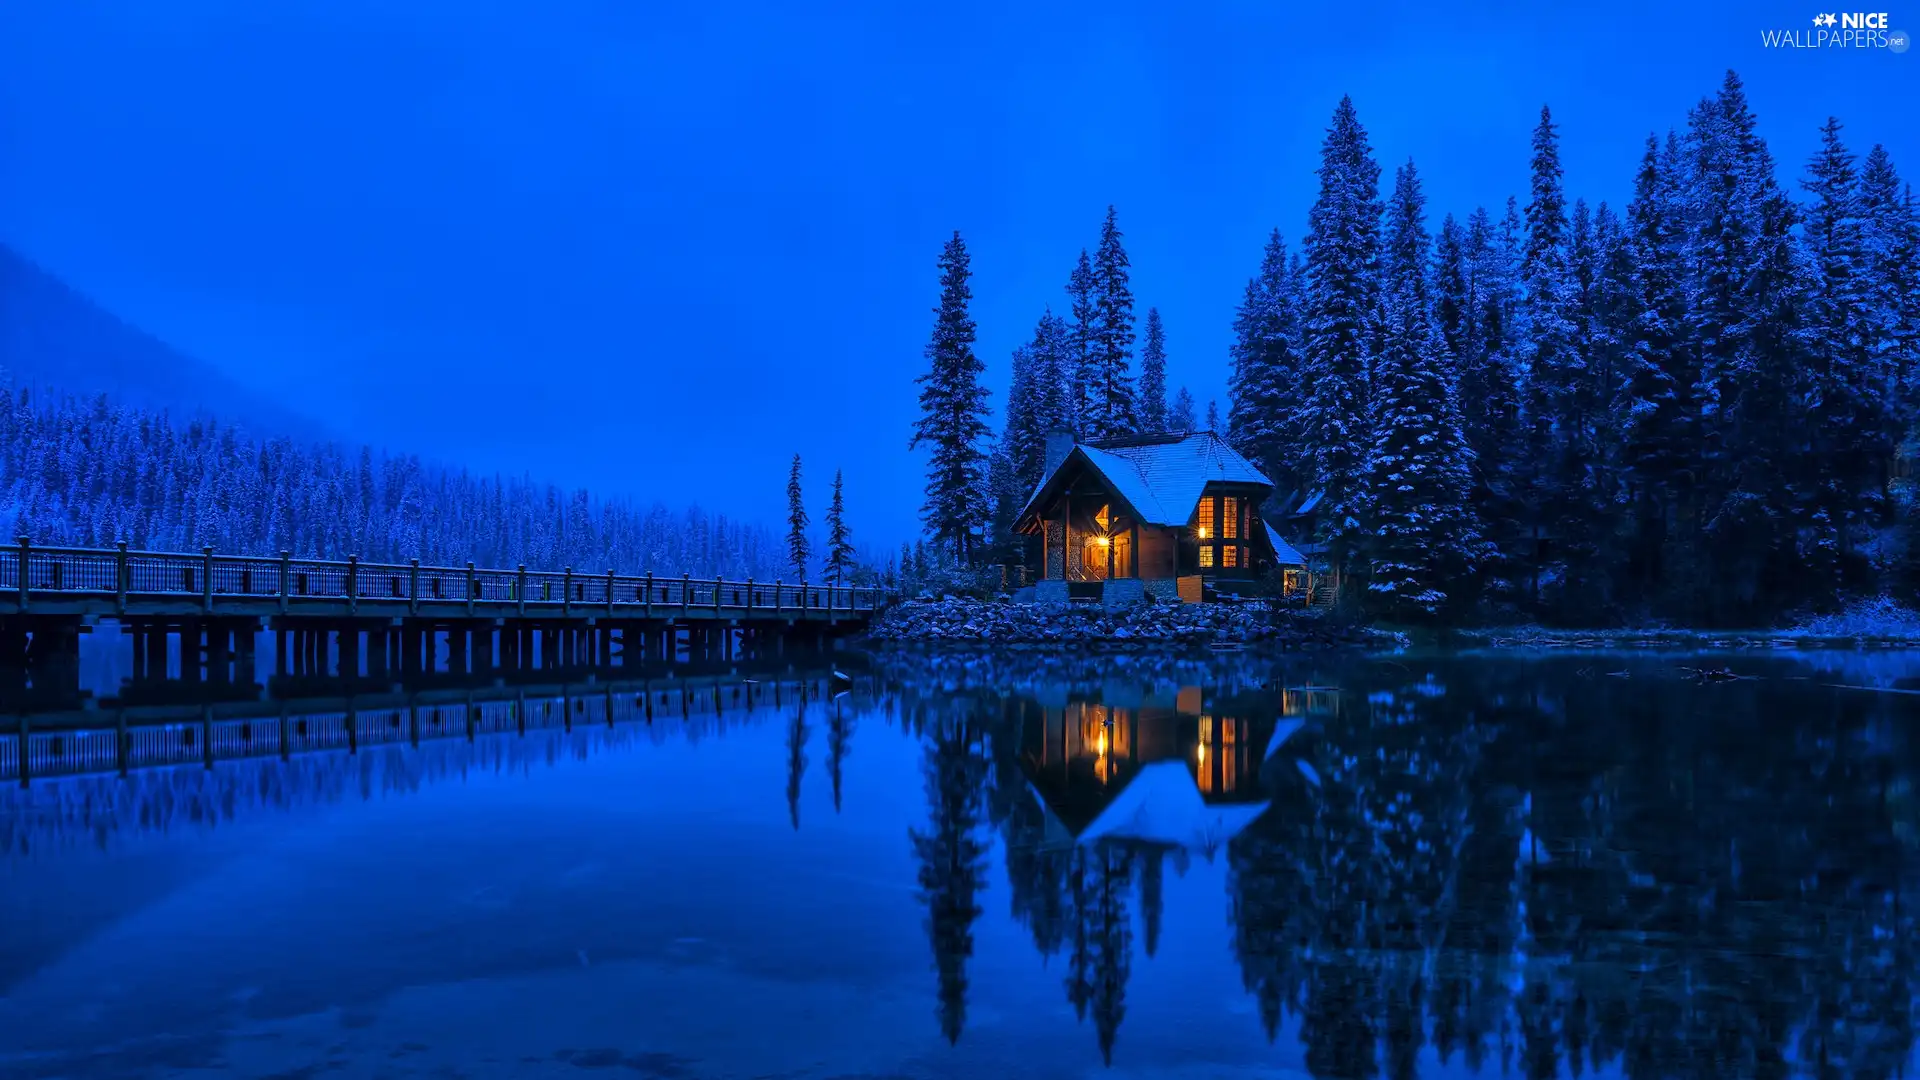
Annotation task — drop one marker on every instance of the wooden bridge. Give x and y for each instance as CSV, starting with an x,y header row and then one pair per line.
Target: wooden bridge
x,y
215,605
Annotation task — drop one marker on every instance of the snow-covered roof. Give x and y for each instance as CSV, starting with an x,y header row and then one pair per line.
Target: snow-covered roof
x,y
1163,805
1283,552
1162,478
1282,732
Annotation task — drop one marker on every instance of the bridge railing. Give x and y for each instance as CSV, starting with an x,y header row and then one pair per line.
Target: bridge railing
x,y
28,571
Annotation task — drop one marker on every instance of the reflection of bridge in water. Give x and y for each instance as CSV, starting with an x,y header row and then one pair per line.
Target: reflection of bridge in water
x,y
120,769
344,715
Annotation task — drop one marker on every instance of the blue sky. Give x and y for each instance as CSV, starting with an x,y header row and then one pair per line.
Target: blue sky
x,y
658,250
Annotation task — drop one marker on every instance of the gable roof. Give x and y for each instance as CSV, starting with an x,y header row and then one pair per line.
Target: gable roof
x,y
1161,477
1283,552
1162,805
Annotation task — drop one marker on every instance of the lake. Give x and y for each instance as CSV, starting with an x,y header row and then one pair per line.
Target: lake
x,y
985,865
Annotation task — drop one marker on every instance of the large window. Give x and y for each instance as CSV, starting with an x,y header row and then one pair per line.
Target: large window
x,y
1229,554
1229,519
1205,522
1206,556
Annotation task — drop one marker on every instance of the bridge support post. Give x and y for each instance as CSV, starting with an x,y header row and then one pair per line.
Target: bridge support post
x,y
377,642
190,650
350,651
459,648
219,652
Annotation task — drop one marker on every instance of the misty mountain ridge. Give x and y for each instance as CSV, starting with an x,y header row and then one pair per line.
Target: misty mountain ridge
x,y
54,337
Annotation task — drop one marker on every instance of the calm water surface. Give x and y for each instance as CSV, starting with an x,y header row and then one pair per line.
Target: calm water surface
x,y
1008,867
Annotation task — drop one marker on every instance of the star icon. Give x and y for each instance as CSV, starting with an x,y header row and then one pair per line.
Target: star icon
x,y
1819,20
1830,19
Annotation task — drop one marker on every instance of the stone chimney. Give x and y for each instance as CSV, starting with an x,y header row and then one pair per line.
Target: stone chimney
x,y
1059,445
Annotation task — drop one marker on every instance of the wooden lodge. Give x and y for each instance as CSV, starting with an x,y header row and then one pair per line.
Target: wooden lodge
x,y
1174,516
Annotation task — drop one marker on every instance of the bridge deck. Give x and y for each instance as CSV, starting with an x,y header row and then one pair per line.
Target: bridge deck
x,y
88,582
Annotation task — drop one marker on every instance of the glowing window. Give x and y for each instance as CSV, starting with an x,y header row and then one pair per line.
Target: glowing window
x,y
1101,518
1230,555
1204,521
1206,555
1229,518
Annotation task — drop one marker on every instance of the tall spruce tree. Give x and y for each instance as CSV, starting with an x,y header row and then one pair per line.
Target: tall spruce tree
x,y
1848,393
1423,543
1153,375
799,551
1888,245
1456,298
1180,415
841,558
1110,403
1264,380
1083,328
1037,399
1213,417
953,414
1341,302
1553,361
1662,447
1486,376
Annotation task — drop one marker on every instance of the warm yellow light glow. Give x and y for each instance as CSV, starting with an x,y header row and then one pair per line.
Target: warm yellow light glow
x,y
1203,532
1104,541
1200,753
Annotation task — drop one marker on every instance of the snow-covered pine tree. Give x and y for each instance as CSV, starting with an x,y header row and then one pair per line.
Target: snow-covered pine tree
x,y
1213,417
1264,380
1455,298
1661,450
1847,393
1424,543
1037,399
841,557
1490,381
953,414
1110,404
1550,466
1586,519
1341,300
1022,438
1759,424
1006,497
799,551
1153,375
1083,327
1890,243
1180,415
1053,361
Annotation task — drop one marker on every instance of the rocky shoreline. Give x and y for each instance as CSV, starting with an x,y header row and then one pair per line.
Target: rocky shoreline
x,y
953,620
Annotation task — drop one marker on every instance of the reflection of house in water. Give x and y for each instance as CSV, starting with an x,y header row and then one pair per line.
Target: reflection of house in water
x,y
1161,773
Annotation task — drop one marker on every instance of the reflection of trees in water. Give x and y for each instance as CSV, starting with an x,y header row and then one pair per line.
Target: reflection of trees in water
x,y
951,853
1100,935
797,735
840,726
1573,873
